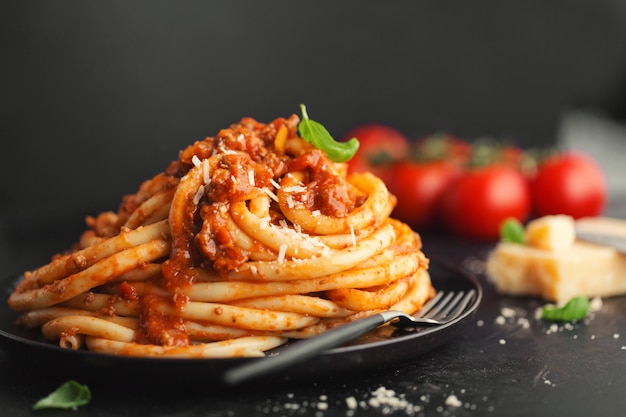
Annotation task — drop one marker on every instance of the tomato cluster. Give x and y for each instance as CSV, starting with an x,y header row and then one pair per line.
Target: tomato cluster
x,y
443,182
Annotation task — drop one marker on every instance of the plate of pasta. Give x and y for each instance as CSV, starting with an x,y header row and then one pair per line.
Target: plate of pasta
x,y
251,238
381,348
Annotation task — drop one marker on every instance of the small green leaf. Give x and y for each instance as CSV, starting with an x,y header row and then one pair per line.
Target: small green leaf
x,y
512,231
575,309
317,135
68,396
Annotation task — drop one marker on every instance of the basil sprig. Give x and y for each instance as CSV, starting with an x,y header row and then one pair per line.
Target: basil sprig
x,y
317,135
512,231
575,309
70,395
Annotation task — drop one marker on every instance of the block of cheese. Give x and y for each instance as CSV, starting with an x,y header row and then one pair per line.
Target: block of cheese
x,y
551,268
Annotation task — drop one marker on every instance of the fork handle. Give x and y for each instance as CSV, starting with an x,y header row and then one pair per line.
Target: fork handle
x,y
304,349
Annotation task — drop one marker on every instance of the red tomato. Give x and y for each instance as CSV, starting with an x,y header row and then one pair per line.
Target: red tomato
x,y
569,183
419,188
481,199
379,146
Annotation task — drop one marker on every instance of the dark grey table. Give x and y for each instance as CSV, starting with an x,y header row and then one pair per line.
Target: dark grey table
x,y
504,362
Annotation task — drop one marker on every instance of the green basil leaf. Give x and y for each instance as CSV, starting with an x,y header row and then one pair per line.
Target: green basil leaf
x,y
512,231
70,395
317,135
575,309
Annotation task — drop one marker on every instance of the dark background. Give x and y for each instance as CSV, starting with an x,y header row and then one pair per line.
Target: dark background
x,y
97,96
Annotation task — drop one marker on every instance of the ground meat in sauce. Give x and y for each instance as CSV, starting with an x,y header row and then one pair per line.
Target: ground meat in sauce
x,y
248,161
216,242
231,181
327,191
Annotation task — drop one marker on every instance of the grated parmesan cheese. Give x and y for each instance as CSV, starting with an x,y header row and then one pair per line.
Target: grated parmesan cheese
x,y
225,151
198,195
295,189
351,403
206,172
264,223
453,401
281,252
195,160
270,193
251,177
275,184
352,235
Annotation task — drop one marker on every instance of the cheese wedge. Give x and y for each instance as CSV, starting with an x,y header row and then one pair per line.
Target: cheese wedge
x,y
556,267
551,232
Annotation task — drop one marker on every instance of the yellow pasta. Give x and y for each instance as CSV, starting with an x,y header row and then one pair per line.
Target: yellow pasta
x,y
249,238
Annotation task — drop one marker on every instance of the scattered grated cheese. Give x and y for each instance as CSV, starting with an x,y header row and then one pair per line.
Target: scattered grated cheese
x,y
264,223
281,252
275,184
198,195
295,189
595,304
352,235
251,177
351,403
206,172
507,312
270,193
225,151
305,240
453,401
195,160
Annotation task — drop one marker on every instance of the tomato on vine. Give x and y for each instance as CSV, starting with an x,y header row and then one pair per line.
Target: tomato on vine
x,y
569,183
421,179
419,188
477,203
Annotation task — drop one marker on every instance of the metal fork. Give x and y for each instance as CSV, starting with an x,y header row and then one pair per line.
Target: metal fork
x,y
441,309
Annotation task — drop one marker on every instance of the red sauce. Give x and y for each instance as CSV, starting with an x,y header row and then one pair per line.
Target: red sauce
x,y
158,328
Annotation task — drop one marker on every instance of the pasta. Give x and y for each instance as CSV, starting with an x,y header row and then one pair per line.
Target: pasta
x,y
247,239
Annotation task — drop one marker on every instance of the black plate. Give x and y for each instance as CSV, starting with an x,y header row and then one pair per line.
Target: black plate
x,y
367,353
